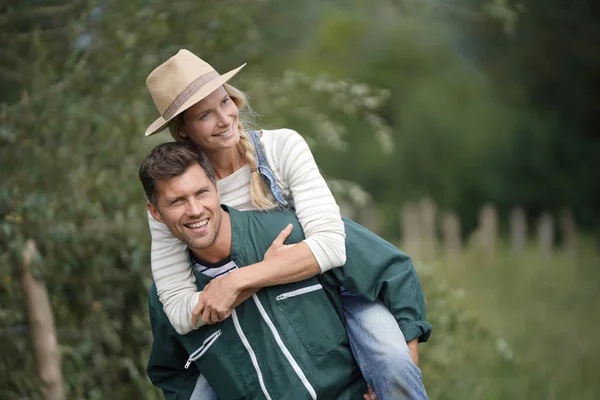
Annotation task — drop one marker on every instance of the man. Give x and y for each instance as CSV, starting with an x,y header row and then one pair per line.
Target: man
x,y
286,341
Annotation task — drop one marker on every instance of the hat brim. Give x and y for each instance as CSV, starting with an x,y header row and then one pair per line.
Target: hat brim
x,y
160,124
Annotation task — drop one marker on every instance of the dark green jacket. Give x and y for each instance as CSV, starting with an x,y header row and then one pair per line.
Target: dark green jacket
x,y
287,341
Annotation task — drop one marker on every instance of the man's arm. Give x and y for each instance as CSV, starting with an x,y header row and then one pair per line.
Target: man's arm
x,y
168,357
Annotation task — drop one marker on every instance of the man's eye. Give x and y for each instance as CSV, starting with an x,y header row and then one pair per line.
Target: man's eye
x,y
203,117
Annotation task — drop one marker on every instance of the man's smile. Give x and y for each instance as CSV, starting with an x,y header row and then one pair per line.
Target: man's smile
x,y
198,226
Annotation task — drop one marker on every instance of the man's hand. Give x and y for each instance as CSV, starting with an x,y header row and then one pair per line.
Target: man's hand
x,y
413,346
217,300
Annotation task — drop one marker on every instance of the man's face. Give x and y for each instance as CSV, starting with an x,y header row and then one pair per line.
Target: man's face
x,y
189,205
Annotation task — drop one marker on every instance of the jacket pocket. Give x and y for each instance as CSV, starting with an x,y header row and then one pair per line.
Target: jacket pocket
x,y
209,341
314,318
299,292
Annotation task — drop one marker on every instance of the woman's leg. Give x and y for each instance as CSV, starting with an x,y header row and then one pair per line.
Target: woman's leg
x,y
203,391
380,350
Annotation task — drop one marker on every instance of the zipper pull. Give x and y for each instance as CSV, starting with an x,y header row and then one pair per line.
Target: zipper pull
x,y
188,363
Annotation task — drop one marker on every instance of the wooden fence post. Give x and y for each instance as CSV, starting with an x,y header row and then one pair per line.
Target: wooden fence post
x,y
41,328
518,230
451,234
546,235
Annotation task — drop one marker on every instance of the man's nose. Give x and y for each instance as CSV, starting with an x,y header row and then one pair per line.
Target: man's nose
x,y
195,208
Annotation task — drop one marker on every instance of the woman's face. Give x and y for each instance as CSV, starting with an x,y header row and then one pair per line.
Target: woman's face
x,y
212,122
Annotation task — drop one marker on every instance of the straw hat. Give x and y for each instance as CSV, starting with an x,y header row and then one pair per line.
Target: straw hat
x,y
179,83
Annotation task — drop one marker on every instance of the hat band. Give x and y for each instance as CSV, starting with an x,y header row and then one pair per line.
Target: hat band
x,y
188,92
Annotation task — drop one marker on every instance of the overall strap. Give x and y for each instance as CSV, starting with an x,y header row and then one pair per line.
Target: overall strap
x,y
262,166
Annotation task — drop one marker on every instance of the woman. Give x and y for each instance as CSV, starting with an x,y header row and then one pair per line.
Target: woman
x,y
265,171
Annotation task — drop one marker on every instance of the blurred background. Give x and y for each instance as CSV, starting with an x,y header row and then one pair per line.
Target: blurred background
x,y
465,131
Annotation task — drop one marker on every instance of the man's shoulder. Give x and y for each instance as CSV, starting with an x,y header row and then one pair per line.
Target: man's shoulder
x,y
264,226
253,218
155,307
153,300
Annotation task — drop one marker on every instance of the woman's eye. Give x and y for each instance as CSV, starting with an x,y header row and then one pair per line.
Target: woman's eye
x,y
225,100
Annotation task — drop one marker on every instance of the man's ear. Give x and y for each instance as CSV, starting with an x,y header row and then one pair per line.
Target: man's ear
x,y
181,133
154,211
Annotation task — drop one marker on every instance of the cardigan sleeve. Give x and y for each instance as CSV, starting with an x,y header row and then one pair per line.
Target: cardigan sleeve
x,y
173,276
292,162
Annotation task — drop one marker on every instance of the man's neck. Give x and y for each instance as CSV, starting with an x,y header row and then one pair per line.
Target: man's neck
x,y
221,248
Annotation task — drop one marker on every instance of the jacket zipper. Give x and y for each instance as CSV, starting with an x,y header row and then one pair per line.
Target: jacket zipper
x,y
246,343
298,292
202,349
284,349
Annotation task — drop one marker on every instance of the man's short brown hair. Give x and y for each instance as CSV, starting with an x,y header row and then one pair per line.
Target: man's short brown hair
x,y
168,160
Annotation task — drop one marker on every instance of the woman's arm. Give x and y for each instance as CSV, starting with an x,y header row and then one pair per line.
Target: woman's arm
x,y
324,247
173,276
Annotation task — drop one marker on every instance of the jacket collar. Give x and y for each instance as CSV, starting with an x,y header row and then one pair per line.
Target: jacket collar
x,y
239,221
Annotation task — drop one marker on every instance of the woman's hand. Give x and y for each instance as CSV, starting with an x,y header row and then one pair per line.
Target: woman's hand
x,y
413,346
370,395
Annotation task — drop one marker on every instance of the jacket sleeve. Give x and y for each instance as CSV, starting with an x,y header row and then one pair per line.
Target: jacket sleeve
x,y
377,269
167,357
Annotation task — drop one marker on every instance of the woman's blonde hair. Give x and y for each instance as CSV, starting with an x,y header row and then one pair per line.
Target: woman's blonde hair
x,y
260,193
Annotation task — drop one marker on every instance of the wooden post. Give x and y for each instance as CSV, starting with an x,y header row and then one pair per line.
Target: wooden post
x,y
41,328
518,230
451,234
488,225
427,220
546,235
569,232
411,229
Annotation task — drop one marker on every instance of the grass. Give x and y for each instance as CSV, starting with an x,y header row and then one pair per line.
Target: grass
x,y
539,319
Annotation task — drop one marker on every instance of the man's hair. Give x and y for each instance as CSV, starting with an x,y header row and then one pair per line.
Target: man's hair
x,y
168,160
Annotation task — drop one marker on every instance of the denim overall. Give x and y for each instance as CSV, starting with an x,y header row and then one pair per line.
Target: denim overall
x,y
262,166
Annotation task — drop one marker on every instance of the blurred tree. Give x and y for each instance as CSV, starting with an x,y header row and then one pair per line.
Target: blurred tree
x,y
24,25
551,65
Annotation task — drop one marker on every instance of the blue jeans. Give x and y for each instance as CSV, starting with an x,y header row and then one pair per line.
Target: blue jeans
x,y
379,348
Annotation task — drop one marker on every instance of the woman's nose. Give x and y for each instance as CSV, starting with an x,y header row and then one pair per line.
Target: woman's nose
x,y
223,118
